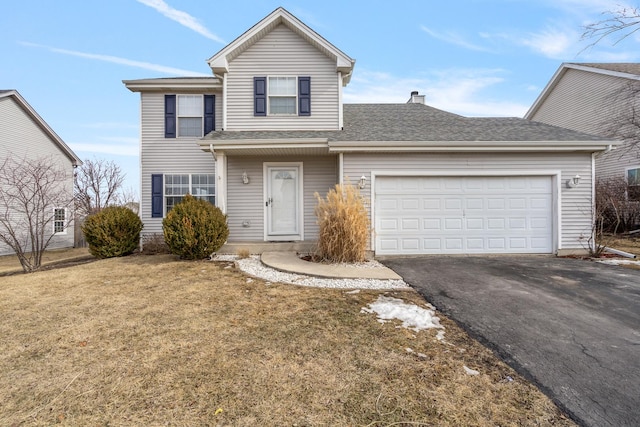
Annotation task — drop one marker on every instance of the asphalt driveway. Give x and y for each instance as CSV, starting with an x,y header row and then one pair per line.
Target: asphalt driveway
x,y
570,326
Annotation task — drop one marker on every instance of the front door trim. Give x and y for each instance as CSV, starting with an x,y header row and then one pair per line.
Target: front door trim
x,y
267,166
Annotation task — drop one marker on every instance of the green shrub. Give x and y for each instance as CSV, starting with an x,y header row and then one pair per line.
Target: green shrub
x,y
195,229
112,232
344,225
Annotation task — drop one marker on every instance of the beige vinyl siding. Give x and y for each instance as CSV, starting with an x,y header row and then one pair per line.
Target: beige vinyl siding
x,y
245,202
581,101
282,53
20,137
160,155
575,202
591,103
613,165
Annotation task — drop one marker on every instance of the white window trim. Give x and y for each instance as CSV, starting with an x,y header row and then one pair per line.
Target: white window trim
x,y
178,116
65,224
269,96
626,178
190,175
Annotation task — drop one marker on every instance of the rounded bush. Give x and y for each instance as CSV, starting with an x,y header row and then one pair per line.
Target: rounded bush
x,y
195,229
112,232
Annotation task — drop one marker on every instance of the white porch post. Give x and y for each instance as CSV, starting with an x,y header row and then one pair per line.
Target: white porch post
x,y
221,190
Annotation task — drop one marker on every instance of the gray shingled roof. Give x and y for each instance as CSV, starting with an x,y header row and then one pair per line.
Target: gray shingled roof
x,y
418,122
621,67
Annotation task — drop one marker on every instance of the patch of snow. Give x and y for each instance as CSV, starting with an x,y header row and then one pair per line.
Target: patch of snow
x,y
618,261
470,371
440,336
355,291
254,267
412,316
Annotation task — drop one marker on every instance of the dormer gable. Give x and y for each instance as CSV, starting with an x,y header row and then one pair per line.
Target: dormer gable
x,y
219,62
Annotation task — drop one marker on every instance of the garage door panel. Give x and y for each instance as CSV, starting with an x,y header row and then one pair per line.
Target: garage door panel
x,y
484,215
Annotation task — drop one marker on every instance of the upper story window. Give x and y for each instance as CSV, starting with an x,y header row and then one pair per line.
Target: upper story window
x,y
282,95
633,183
188,115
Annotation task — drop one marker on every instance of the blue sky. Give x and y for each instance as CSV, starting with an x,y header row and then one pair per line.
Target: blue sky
x,y
472,57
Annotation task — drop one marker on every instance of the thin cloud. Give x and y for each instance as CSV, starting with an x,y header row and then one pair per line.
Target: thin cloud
x,y
454,90
182,18
552,42
122,61
454,38
127,150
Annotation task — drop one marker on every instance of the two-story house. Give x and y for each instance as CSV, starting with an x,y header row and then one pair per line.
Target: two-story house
x,y
24,135
269,129
600,99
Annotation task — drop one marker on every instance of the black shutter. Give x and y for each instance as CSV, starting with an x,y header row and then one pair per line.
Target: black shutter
x,y
209,113
304,96
169,116
156,196
259,96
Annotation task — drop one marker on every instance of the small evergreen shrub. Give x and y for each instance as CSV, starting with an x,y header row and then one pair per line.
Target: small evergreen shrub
x,y
112,232
344,225
195,229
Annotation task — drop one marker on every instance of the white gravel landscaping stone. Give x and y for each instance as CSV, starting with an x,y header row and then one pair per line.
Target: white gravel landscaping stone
x,y
254,267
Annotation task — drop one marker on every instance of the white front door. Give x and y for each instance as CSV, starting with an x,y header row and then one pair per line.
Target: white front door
x,y
283,201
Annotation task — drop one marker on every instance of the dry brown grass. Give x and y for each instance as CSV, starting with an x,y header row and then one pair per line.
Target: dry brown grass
x,y
625,243
149,340
11,264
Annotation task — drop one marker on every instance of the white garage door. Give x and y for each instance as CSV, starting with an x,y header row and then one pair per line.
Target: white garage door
x,y
460,215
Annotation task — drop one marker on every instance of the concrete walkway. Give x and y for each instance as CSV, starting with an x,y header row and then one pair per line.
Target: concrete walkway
x,y
291,263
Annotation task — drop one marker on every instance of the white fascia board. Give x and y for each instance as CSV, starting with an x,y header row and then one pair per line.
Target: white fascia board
x,y
546,91
178,84
261,143
469,146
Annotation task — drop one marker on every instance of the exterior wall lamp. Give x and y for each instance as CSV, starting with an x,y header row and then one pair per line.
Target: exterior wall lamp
x,y
245,177
573,182
363,182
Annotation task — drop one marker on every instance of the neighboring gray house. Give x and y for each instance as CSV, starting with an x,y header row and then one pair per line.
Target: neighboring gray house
x,y
269,129
600,99
25,135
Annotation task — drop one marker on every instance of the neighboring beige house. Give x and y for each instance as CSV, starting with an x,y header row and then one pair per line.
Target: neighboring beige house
x,y
269,128
600,99
24,134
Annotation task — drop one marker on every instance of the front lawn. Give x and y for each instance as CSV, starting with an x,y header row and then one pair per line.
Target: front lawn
x,y
150,340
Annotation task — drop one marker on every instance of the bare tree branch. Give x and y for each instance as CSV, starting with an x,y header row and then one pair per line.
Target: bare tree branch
x,y
30,192
98,184
624,21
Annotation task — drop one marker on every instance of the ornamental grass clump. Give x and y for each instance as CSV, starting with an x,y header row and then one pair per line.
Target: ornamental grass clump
x,y
344,225
195,229
112,232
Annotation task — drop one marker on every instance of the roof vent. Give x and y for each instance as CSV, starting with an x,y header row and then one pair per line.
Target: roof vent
x,y
415,98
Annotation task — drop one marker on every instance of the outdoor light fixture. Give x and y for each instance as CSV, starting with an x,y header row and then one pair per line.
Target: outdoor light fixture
x,y
245,177
573,182
362,182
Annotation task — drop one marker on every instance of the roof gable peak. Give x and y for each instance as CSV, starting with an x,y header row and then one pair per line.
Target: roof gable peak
x,y
219,62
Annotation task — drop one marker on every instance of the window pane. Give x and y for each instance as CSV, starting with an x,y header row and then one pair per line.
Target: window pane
x,y
203,187
282,86
172,201
282,105
190,126
633,177
58,220
190,105
176,185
